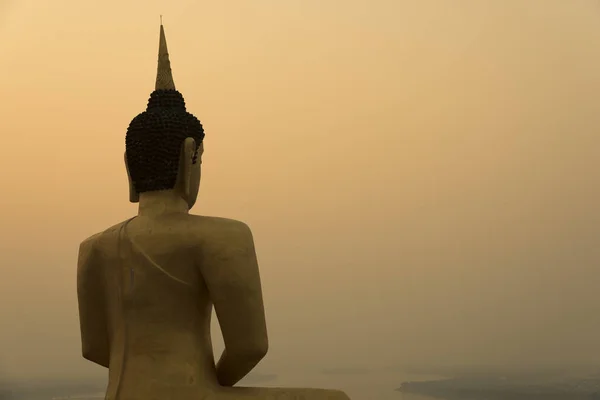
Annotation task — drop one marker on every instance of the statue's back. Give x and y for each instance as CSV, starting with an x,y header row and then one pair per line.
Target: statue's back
x,y
158,308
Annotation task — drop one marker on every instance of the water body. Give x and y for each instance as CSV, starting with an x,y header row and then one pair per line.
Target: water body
x,y
360,384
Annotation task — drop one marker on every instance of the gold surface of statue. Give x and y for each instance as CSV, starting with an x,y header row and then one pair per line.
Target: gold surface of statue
x,y
146,286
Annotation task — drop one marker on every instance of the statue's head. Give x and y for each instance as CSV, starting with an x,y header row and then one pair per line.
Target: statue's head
x,y
164,144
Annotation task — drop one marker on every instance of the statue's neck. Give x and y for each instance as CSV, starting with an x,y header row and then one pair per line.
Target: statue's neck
x,y
154,204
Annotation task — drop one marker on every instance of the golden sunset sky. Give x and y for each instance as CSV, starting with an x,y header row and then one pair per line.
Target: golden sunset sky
x,y
422,177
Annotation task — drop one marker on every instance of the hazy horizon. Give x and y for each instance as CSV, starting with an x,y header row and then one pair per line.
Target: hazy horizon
x,y
421,177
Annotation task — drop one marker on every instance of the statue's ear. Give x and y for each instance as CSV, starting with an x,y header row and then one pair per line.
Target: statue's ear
x,y
134,196
186,158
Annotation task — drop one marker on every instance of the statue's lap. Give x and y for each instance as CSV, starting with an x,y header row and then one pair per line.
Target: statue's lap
x,y
275,393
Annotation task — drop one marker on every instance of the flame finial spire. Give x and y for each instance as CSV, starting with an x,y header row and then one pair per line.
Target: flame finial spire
x,y
164,75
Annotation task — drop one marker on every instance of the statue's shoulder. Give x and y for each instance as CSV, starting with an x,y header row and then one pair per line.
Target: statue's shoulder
x,y
218,222
87,251
93,241
89,243
218,228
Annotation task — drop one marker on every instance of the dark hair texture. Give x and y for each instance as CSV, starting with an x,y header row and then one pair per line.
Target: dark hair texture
x,y
154,139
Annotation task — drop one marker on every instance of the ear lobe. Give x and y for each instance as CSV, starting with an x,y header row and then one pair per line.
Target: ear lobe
x,y
186,158
134,196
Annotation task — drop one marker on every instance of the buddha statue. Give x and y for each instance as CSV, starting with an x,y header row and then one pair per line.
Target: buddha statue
x,y
146,286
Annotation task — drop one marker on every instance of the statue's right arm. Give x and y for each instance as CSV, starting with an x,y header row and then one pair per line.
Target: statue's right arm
x,y
230,270
92,313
